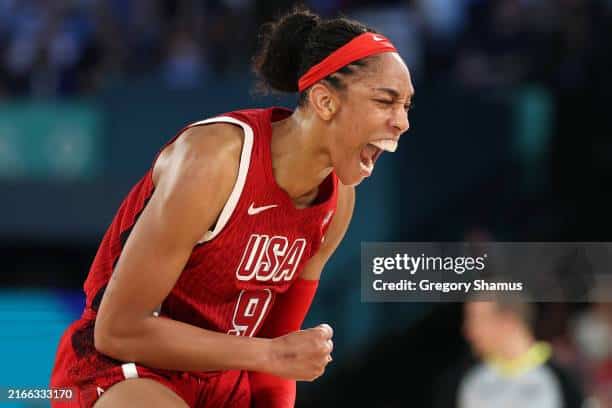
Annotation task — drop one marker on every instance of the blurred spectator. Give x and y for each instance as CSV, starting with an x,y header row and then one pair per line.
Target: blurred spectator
x,y
593,336
514,369
496,49
402,24
183,64
444,19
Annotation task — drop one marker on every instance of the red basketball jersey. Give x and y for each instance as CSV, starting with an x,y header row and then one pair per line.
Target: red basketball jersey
x,y
256,249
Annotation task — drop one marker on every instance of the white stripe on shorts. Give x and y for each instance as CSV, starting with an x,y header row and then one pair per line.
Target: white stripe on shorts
x,y
129,370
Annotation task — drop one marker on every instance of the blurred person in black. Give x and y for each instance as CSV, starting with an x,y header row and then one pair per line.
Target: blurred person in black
x,y
512,369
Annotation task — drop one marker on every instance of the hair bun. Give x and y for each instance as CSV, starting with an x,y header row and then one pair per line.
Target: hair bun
x,y
282,43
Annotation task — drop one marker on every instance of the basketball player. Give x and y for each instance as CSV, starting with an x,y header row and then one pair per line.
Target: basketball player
x,y
200,285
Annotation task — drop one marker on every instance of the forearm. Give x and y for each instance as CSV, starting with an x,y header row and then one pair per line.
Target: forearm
x,y
269,391
159,342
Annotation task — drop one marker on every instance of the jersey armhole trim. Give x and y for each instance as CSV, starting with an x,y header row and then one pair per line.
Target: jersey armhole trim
x,y
243,169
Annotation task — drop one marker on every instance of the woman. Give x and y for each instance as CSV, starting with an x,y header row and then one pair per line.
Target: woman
x,y
200,285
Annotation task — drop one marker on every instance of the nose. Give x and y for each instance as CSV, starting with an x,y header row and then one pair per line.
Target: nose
x,y
400,120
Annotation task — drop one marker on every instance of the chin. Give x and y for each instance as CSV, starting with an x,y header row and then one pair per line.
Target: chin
x,y
348,171
481,351
355,184
349,180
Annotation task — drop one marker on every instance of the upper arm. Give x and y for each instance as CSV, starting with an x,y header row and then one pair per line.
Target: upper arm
x,y
337,228
193,179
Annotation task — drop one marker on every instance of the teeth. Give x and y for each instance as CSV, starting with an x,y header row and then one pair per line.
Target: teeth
x,y
388,145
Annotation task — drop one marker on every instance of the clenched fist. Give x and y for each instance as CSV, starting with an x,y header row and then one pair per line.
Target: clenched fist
x,y
302,355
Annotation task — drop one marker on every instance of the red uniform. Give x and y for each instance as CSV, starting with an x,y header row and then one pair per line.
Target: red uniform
x,y
229,284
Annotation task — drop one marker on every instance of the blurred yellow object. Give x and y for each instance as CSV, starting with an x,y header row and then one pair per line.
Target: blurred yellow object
x,y
537,355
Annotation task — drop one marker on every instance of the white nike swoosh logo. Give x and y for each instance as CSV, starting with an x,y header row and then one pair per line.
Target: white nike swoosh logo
x,y
256,210
377,38
327,218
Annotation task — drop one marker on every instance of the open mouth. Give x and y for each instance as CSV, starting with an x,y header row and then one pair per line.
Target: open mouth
x,y
372,151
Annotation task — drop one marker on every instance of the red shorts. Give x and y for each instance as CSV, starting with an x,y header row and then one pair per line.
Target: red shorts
x,y
79,366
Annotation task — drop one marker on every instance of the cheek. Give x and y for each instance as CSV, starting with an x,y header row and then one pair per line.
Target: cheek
x,y
472,331
353,128
349,130
492,334
348,141
358,123
480,331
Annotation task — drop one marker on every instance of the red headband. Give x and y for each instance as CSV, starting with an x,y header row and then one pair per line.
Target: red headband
x,y
362,46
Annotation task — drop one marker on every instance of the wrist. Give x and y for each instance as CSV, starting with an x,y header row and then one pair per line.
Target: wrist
x,y
263,356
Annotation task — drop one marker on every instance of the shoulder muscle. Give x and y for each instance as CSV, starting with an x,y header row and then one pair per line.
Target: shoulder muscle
x,y
195,175
193,179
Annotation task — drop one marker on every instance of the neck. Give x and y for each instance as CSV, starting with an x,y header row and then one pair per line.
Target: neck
x,y
300,158
521,360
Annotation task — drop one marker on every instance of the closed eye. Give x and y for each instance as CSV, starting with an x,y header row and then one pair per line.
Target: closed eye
x,y
407,107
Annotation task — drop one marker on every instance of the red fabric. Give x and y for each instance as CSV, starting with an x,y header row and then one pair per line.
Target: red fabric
x,y
255,258
286,316
226,389
359,47
269,391
290,308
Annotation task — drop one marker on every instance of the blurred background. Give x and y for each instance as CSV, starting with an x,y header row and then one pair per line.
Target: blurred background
x,y
509,141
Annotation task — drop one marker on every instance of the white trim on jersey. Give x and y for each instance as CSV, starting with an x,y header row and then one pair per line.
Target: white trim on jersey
x,y
243,169
129,370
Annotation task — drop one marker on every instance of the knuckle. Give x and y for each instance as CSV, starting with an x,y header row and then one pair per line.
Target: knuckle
x,y
327,329
314,334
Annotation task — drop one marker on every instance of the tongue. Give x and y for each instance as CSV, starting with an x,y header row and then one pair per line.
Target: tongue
x,y
367,154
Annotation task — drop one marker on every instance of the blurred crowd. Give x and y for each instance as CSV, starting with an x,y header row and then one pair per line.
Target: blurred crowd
x,y
73,47
69,47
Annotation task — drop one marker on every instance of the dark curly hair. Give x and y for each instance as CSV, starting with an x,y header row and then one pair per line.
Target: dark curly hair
x,y
299,40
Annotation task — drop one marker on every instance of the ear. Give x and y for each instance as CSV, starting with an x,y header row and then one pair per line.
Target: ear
x,y
324,101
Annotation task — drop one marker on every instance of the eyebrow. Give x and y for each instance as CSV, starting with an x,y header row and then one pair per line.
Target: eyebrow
x,y
392,92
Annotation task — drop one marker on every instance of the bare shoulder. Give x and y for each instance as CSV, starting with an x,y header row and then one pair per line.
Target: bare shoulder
x,y
202,149
193,179
195,176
